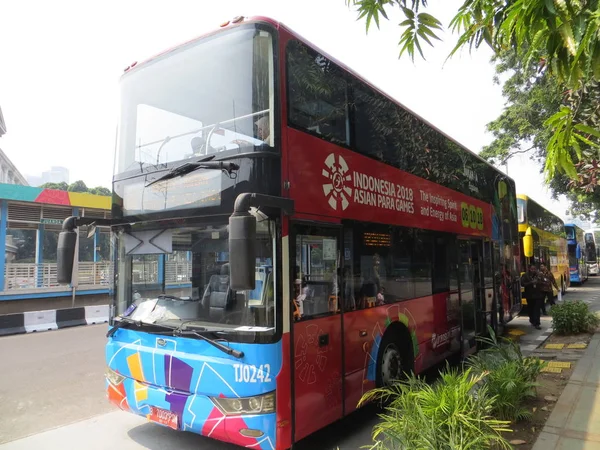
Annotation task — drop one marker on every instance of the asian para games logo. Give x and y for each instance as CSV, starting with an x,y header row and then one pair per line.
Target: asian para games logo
x,y
335,189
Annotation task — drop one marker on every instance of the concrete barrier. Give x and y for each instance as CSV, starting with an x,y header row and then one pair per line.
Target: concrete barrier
x,y
12,324
71,317
96,314
52,319
40,320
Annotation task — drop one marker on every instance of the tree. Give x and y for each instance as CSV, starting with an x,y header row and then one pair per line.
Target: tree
x,y
531,96
62,186
99,190
559,37
78,186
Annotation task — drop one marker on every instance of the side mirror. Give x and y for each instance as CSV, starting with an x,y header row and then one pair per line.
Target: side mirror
x,y
242,252
65,256
578,252
528,244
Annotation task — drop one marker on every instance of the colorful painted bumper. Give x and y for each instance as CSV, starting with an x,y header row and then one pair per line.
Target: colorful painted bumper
x,y
242,421
189,385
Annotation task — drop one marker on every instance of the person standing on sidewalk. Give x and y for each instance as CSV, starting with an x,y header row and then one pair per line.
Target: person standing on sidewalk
x,y
548,281
533,293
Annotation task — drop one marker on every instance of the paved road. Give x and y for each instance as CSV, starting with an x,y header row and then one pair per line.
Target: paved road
x,y
50,379
52,396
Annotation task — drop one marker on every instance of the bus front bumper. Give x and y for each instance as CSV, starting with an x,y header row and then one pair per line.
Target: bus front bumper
x,y
195,412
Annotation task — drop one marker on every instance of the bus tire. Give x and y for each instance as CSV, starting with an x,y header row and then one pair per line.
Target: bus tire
x,y
395,356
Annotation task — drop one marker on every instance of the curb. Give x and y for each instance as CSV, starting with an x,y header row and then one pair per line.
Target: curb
x,y
53,319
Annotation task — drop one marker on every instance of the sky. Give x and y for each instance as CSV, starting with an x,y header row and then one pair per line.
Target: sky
x,y
60,64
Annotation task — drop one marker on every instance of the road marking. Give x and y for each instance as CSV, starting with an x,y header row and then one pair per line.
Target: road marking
x,y
560,364
577,345
554,346
516,332
551,369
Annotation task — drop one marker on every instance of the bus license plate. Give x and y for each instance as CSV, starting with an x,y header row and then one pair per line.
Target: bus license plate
x,y
163,417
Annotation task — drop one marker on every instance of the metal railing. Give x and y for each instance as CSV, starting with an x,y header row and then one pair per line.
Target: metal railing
x,y
90,274
39,276
178,272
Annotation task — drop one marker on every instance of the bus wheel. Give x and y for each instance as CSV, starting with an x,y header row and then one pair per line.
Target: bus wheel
x,y
394,358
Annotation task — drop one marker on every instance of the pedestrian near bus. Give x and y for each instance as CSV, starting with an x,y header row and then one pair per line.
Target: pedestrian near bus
x,y
532,283
548,281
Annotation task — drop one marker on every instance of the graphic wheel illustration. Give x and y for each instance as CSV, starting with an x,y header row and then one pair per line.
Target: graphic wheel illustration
x,y
335,189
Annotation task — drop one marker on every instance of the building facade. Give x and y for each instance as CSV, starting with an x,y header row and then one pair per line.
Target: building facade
x,y
30,220
8,172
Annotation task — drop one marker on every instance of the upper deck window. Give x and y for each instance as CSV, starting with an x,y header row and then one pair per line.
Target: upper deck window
x,y
327,101
317,92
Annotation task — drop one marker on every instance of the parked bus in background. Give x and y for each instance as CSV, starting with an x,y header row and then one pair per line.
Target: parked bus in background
x,y
591,253
549,241
576,247
329,239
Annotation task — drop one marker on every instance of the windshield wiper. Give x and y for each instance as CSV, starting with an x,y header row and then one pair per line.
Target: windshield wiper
x,y
183,332
228,350
138,323
188,167
120,323
169,297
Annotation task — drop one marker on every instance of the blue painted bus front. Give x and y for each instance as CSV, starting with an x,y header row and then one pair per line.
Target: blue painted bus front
x,y
189,380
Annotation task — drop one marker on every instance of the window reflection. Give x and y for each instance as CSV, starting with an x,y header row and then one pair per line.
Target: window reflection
x,y
192,284
318,281
386,264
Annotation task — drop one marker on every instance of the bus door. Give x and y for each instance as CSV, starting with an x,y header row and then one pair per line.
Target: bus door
x,y
317,328
472,293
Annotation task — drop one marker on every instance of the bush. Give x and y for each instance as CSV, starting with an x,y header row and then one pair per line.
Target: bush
x,y
511,390
511,377
573,318
452,414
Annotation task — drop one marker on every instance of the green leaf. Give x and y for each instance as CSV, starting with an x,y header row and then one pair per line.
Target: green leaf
x,y
561,5
408,12
567,34
589,130
429,20
419,48
596,62
585,140
423,36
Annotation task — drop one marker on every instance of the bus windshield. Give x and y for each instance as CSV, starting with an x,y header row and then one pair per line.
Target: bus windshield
x,y
189,283
210,96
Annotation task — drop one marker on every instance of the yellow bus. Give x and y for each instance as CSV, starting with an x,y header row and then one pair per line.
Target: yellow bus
x,y
548,241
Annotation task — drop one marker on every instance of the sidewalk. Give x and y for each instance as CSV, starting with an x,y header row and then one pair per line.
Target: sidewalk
x,y
575,420
528,337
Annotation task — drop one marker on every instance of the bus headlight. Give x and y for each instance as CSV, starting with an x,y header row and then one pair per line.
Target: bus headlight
x,y
113,377
260,404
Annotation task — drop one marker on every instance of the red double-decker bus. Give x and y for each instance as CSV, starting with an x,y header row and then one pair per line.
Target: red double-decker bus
x,y
299,236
